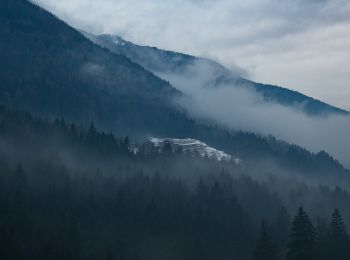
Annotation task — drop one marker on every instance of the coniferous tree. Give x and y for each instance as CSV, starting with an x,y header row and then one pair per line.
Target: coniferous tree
x,y
265,249
92,136
302,244
167,149
339,243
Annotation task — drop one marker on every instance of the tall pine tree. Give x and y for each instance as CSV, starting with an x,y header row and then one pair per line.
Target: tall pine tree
x,y
339,244
302,244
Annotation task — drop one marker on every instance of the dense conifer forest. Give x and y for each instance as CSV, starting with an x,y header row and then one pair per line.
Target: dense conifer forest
x,y
79,181
72,193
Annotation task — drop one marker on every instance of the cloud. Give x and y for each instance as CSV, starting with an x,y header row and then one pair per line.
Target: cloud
x,y
241,108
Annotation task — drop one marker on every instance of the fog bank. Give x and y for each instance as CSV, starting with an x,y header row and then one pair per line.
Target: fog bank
x,y
240,108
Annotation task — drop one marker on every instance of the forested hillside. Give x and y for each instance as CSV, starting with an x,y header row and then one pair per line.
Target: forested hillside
x,y
51,70
80,181
72,193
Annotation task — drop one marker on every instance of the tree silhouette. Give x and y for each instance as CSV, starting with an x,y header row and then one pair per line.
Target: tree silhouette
x,y
338,238
302,238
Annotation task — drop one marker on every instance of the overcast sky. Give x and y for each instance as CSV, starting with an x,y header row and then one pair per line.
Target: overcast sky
x,y
300,44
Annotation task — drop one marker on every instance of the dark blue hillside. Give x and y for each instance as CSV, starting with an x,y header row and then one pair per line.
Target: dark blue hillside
x,y
51,70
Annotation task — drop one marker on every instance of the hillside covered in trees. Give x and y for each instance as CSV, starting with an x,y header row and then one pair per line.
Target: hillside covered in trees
x,y
79,181
71,193
51,70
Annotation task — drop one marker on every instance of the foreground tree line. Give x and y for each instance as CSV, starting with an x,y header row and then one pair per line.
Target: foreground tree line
x,y
307,241
67,193
51,214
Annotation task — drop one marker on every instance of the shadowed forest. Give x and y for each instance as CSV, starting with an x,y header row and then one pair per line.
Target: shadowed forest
x,y
80,181
70,193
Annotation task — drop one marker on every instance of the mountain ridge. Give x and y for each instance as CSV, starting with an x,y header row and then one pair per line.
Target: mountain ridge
x,y
51,70
163,61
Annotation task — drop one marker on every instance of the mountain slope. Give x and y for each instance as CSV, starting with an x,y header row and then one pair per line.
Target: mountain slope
x,y
168,64
51,70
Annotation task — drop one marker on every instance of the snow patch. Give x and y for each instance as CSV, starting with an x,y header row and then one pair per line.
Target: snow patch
x,y
119,41
194,146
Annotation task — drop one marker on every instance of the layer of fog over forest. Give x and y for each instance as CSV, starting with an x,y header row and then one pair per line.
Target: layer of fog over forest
x,y
74,188
241,108
106,200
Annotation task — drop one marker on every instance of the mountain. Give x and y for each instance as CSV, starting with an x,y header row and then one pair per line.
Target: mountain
x,y
168,64
52,70
75,189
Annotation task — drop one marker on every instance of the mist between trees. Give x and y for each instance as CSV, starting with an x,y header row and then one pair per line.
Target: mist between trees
x,y
70,193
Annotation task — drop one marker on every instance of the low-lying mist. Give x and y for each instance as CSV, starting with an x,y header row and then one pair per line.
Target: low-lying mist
x,y
241,108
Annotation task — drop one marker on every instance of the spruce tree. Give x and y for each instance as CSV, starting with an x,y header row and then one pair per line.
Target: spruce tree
x,y
92,136
338,246
265,249
302,244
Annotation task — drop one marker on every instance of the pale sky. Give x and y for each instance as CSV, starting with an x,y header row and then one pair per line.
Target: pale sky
x,y
299,44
